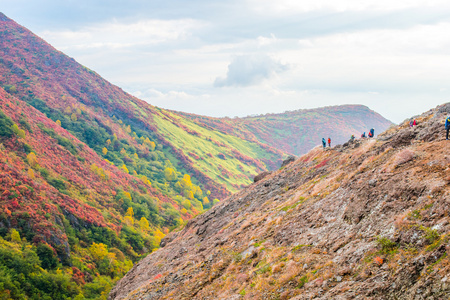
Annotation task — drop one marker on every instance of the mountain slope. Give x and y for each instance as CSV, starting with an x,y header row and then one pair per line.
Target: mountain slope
x,y
89,182
55,84
364,220
299,131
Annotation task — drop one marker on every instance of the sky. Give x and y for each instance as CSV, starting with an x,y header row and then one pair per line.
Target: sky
x,y
247,57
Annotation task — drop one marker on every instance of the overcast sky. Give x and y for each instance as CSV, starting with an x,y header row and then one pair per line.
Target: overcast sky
x,y
244,57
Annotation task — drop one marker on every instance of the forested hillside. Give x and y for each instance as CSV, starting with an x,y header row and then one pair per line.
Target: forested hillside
x,y
91,177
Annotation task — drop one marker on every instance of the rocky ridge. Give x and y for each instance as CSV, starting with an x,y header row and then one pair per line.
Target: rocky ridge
x,y
364,220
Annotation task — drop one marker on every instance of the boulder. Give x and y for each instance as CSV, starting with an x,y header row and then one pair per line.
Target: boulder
x,y
287,161
261,176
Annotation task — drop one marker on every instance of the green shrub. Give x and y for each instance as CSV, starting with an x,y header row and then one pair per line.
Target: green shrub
x,y
5,125
59,184
386,245
47,257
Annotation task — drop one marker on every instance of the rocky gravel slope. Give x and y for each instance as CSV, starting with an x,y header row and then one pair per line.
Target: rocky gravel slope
x,y
365,220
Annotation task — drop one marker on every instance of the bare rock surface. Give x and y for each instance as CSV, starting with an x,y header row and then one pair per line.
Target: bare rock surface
x,y
366,220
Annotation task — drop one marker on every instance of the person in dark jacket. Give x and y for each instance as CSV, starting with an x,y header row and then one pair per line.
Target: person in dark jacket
x,y
447,125
363,135
324,143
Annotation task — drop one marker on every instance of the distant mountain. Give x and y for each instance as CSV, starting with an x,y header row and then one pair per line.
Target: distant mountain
x,y
364,220
299,131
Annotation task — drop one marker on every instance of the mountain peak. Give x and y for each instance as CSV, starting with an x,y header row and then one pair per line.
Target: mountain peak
x,y
4,18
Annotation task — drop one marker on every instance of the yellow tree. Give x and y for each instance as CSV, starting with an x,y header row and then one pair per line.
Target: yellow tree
x,y
104,151
98,251
127,195
15,129
186,182
189,194
15,236
170,174
143,223
32,159
124,168
129,212
108,142
94,168
73,117
19,132
31,173
150,144
58,122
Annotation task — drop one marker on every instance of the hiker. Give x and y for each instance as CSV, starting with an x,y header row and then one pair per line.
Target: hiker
x,y
411,123
371,133
329,142
363,135
414,123
447,125
352,138
324,143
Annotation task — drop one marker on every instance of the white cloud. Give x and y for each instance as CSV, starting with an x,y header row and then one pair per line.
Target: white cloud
x,y
390,55
246,70
264,41
121,35
294,6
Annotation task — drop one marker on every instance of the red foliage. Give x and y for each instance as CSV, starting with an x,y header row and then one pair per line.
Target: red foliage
x,y
157,277
78,276
322,163
378,260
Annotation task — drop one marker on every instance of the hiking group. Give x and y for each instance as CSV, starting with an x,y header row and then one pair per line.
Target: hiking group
x,y
371,134
324,142
352,138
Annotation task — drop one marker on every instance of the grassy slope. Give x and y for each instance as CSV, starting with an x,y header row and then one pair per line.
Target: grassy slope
x,y
205,145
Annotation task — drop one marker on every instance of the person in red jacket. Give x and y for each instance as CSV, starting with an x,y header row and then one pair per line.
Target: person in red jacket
x,y
329,142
